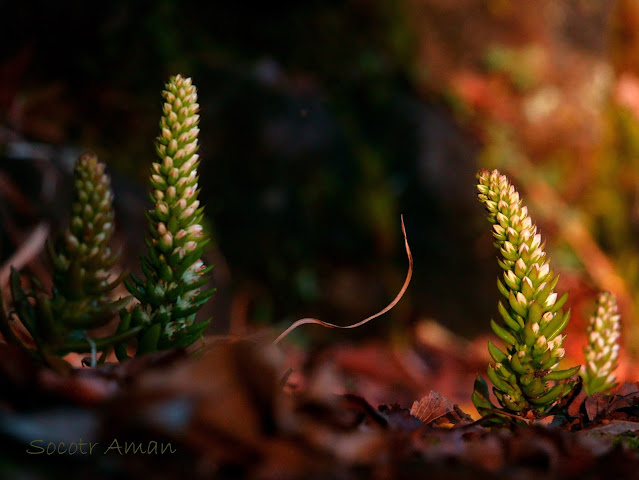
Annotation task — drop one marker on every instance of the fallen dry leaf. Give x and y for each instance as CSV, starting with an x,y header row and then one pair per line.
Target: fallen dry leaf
x,y
435,407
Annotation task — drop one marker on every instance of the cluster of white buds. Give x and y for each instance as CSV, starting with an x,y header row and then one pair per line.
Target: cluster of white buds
x,y
602,350
525,378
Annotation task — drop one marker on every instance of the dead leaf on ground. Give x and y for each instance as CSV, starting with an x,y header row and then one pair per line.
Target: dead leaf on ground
x,y
435,407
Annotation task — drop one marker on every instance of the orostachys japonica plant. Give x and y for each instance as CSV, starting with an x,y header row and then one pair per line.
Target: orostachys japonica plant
x,y
602,350
170,293
524,374
82,288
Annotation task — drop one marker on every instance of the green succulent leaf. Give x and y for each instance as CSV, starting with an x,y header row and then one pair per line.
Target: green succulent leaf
x,y
549,397
562,374
149,337
496,354
502,333
192,334
481,396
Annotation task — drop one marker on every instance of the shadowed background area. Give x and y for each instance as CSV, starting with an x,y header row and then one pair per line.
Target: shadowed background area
x,y
322,122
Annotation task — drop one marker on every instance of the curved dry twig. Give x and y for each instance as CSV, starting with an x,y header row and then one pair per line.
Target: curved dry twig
x,y
305,321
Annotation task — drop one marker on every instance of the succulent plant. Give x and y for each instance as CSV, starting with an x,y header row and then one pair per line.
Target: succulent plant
x,y
602,350
82,256
169,293
525,378
81,259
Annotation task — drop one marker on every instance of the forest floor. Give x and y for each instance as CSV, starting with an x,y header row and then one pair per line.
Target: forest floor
x,y
243,408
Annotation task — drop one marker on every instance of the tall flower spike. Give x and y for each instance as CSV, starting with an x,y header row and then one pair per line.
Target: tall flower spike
x,y
170,294
83,257
525,377
602,350
81,260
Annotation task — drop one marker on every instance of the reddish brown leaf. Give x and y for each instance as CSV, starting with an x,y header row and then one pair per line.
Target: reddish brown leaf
x,y
435,406
399,418
596,405
628,388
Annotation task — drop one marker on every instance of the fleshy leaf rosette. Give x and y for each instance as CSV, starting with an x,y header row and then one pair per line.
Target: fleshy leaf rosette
x,y
170,293
525,378
602,350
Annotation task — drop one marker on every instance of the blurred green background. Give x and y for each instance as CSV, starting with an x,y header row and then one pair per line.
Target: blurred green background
x,y
322,122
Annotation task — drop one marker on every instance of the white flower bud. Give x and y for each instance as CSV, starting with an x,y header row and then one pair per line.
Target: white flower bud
x,y
541,342
521,299
502,219
187,213
509,247
544,270
157,179
195,229
167,238
162,207
550,301
190,148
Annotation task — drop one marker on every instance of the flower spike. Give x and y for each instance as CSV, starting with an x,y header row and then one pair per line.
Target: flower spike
x,y
525,376
602,351
83,257
170,294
